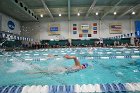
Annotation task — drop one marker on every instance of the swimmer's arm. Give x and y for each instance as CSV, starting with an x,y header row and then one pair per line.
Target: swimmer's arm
x,y
70,57
77,63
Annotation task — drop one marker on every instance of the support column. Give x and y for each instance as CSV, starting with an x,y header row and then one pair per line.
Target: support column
x,y
131,31
69,32
99,28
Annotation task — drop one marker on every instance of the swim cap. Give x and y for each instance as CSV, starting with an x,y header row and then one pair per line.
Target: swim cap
x,y
85,65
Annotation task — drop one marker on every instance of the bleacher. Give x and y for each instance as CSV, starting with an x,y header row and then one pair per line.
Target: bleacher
x,y
121,41
60,43
79,42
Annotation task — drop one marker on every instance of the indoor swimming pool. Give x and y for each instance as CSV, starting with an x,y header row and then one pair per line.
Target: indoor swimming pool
x,y
110,66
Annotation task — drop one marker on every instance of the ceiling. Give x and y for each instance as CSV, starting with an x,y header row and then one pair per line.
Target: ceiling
x,y
69,9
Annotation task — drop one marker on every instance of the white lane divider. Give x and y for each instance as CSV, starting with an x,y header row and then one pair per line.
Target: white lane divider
x,y
120,57
27,54
45,54
25,89
135,56
104,57
136,51
44,89
36,54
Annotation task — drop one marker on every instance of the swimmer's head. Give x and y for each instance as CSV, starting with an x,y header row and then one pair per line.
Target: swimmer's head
x,y
87,65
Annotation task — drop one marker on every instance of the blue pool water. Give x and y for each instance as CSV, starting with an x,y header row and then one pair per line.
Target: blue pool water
x,y
110,66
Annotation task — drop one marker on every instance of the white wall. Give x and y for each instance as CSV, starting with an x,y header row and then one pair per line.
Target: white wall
x,y
4,26
38,30
103,27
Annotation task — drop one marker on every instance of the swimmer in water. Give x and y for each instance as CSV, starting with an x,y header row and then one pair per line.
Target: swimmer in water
x,y
77,66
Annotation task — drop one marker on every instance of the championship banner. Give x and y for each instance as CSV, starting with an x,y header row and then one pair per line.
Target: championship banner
x,y
85,29
75,29
94,28
53,29
115,28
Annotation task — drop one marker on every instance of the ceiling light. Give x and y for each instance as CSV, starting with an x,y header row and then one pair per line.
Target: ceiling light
x,y
41,15
133,13
59,14
115,13
78,14
97,13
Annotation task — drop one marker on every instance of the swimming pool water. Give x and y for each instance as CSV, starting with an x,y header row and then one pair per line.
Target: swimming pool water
x,y
17,67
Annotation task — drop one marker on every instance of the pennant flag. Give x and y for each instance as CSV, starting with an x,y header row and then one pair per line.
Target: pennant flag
x,y
128,35
131,34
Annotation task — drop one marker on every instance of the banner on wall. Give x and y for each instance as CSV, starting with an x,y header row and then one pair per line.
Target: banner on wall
x,y
11,25
115,28
53,29
94,28
85,28
75,29
137,29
